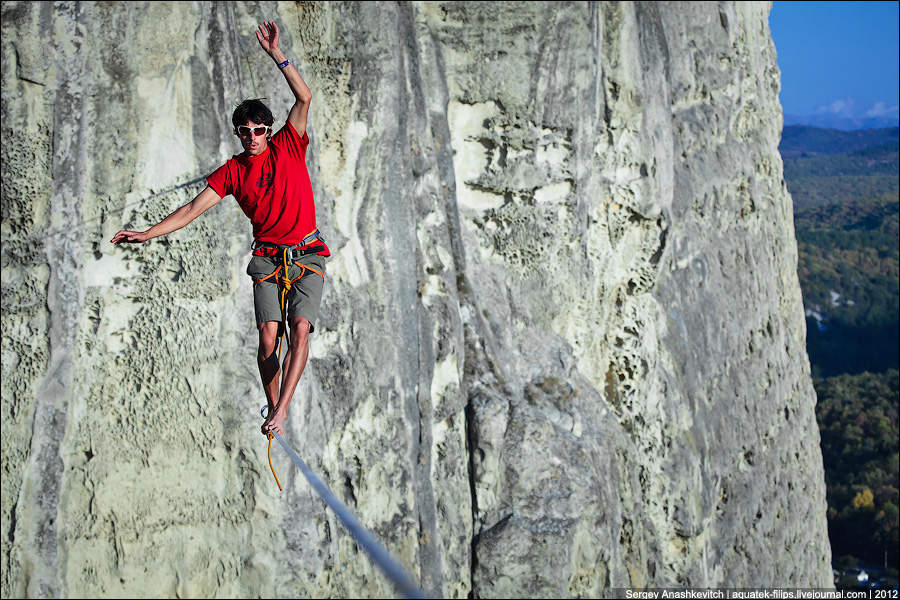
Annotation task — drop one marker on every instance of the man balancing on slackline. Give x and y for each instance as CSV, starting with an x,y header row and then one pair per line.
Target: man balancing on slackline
x,y
270,182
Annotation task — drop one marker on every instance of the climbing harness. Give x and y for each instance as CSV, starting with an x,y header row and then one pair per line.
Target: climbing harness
x,y
289,255
376,551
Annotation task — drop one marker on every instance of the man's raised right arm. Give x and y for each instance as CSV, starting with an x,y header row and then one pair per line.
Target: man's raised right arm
x,y
267,35
175,221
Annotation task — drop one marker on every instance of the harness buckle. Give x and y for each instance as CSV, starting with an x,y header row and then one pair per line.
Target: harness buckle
x,y
315,235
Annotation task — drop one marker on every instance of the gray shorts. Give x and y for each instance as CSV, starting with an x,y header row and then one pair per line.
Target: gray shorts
x,y
304,297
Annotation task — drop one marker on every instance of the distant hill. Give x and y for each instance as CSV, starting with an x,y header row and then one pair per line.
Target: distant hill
x,y
838,122
826,166
797,140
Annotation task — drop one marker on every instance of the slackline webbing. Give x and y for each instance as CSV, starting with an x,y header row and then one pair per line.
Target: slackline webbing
x,y
379,555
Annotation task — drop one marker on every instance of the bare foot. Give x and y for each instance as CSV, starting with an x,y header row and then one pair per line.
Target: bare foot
x,y
274,422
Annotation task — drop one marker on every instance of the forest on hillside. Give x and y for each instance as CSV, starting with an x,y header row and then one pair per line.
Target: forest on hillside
x,y
845,191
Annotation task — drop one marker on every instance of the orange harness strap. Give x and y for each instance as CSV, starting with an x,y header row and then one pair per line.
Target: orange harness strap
x,y
272,274
308,268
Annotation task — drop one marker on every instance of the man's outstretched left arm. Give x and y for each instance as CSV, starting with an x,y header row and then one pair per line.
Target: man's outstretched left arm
x,y
267,34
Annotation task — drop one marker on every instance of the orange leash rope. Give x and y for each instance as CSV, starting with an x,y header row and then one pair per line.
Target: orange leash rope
x,y
270,436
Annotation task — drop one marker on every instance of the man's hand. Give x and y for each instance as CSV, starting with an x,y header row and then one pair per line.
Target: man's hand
x,y
131,237
268,36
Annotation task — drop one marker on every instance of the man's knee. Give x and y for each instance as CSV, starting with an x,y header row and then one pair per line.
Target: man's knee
x,y
299,330
268,335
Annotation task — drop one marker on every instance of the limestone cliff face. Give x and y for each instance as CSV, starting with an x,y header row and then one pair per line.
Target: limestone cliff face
x,y
561,347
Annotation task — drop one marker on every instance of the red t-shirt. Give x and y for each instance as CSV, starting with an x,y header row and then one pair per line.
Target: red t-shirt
x,y
273,189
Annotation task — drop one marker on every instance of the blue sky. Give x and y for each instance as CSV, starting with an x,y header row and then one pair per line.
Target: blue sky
x,y
837,57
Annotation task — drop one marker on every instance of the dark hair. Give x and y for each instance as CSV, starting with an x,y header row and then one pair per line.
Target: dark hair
x,y
253,111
